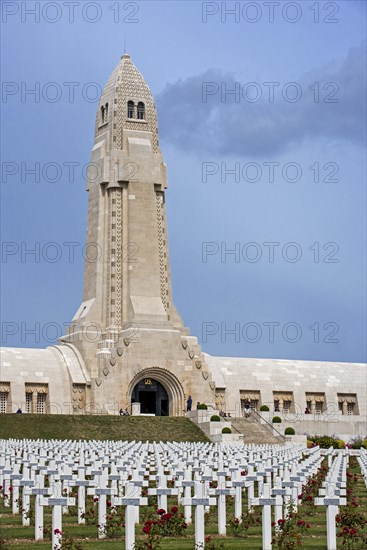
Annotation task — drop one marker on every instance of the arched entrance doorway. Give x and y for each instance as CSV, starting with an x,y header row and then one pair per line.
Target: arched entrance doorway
x,y
168,382
152,396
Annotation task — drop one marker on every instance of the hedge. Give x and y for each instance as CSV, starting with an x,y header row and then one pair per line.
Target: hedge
x,y
289,431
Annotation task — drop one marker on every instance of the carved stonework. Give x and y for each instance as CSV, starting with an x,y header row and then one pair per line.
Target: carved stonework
x,y
79,396
161,248
132,85
36,388
220,399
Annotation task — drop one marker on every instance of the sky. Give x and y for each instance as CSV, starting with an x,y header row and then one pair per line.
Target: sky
x,y
261,110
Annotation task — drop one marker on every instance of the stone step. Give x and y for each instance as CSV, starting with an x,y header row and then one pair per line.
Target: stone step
x,y
254,432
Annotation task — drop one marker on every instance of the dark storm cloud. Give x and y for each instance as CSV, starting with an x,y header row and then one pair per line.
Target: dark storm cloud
x,y
229,124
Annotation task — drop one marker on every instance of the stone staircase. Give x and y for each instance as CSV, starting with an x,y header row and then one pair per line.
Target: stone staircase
x,y
254,432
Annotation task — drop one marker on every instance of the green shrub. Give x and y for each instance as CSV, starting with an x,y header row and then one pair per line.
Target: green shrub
x,y
202,407
214,418
226,431
289,431
264,408
325,441
357,443
276,420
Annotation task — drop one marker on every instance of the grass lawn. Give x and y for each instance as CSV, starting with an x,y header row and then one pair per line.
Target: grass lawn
x,y
129,428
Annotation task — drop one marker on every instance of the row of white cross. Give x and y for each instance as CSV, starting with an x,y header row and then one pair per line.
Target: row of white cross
x,y
362,461
118,471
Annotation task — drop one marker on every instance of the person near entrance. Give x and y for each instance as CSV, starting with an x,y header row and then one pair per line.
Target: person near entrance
x,y
189,403
247,408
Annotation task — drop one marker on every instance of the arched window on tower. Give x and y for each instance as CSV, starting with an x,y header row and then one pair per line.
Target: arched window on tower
x,y
106,113
102,114
130,109
141,110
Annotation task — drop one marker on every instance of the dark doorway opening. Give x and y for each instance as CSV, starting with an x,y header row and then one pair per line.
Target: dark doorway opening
x,y
147,402
152,396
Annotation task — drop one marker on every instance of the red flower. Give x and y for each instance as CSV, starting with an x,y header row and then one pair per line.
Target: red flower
x,y
10,489
174,509
281,521
273,523
161,511
149,522
95,499
308,525
184,526
147,528
244,473
57,532
123,525
109,503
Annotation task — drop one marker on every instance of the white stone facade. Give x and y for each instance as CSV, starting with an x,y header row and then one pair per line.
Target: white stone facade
x,y
127,338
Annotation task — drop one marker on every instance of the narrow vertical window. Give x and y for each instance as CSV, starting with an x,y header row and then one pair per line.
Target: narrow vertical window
x,y
141,111
102,114
41,402
130,109
3,401
28,403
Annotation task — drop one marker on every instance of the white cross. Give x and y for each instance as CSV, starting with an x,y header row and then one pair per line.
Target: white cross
x,y
82,483
39,491
26,482
238,485
131,501
162,491
266,501
57,504
101,491
331,502
200,500
222,491
187,483
278,490
15,479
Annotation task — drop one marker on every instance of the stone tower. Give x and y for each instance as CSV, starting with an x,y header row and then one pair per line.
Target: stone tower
x,y
127,330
